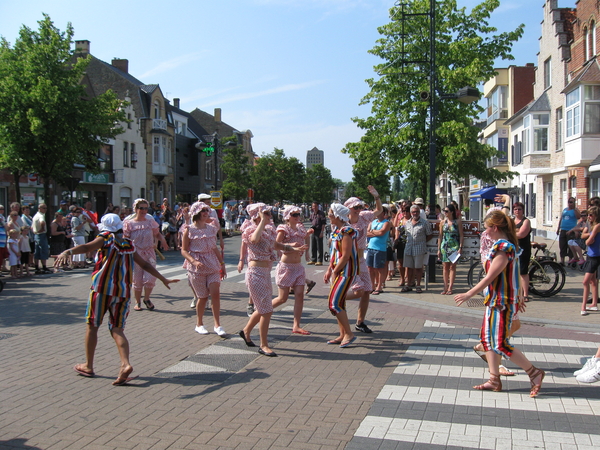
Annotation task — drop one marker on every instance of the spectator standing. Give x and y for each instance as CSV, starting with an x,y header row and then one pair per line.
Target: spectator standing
x,y
3,238
78,230
58,236
450,241
568,221
378,234
418,230
40,230
318,222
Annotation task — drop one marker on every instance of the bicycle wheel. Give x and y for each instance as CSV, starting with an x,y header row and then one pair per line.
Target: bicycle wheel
x,y
546,278
476,273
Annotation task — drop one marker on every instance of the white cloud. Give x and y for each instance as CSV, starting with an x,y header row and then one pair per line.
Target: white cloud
x,y
276,90
171,64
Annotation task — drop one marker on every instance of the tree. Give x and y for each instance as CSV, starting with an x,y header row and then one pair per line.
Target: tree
x,y
47,122
396,134
278,178
319,185
236,169
363,177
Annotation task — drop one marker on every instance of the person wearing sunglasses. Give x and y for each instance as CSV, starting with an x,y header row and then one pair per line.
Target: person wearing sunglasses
x,y
290,273
568,220
143,231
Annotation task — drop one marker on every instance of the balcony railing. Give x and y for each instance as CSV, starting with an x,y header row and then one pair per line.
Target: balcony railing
x,y
160,169
159,124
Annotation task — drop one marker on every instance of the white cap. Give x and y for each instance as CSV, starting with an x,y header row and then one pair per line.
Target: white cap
x,y
110,222
204,197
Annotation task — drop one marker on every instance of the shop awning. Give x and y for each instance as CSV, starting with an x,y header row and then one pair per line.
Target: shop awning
x,y
488,193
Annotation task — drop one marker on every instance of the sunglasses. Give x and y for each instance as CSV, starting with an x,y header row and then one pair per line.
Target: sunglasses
x,y
446,210
143,208
357,207
295,215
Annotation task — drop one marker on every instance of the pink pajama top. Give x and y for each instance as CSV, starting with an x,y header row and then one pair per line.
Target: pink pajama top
x,y
362,224
291,236
203,242
263,250
140,232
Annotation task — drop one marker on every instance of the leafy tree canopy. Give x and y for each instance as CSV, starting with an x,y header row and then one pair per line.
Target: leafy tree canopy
x,y
236,168
396,133
319,185
277,178
47,122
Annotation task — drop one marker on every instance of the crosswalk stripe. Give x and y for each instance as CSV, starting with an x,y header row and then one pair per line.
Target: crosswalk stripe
x,y
468,435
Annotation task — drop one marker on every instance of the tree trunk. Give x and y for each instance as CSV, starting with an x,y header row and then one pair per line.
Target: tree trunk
x,y
16,177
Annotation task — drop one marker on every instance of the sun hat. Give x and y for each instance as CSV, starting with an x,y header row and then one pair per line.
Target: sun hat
x,y
353,201
110,222
419,201
290,209
197,207
255,208
204,196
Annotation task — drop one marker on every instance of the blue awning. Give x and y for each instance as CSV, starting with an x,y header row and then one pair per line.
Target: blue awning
x,y
487,192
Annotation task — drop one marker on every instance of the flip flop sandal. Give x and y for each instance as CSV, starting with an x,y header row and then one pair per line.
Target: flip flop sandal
x,y
149,305
334,342
418,290
137,308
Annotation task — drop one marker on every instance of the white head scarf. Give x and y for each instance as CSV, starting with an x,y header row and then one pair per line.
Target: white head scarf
x,y
340,211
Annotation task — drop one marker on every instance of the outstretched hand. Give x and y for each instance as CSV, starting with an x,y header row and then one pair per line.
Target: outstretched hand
x,y
373,191
461,298
168,282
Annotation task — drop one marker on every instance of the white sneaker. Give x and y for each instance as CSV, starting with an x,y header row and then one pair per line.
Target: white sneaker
x,y
584,313
193,304
220,331
201,330
591,308
591,376
589,364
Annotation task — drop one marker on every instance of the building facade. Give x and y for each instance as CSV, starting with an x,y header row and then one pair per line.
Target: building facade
x,y
315,156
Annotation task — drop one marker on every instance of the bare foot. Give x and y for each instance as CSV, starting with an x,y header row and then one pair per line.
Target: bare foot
x,y
123,376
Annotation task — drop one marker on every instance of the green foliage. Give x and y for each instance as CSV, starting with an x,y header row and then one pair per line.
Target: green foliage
x,y
47,123
320,185
363,177
236,169
276,177
396,134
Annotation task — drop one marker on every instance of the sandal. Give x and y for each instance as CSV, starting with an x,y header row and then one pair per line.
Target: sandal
x,y
405,289
449,292
149,305
480,353
507,373
418,289
309,286
443,293
535,373
493,384
137,308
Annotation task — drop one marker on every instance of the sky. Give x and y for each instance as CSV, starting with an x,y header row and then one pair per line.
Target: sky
x,y
291,71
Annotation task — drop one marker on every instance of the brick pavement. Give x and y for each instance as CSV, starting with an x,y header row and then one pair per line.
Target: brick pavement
x,y
312,396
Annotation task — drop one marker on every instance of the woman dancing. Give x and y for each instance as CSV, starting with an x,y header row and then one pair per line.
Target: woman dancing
x,y
204,264
290,272
343,267
501,285
260,237
143,230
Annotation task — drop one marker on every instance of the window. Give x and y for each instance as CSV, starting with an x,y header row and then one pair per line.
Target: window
x,y
547,73
133,155
563,192
540,132
125,155
573,111
548,204
531,202
169,150
156,149
164,150
151,192
156,110
497,104
591,114
592,41
129,121
585,44
595,187
560,140
208,170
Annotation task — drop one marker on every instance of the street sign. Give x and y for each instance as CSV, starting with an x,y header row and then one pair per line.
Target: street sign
x,y
216,199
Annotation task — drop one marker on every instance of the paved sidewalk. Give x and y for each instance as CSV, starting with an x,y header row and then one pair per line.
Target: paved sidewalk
x,y
202,392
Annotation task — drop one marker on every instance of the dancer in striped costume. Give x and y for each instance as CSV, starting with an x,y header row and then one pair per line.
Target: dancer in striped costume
x,y
110,290
501,285
342,270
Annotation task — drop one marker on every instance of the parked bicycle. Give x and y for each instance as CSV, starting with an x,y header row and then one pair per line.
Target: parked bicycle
x,y
546,276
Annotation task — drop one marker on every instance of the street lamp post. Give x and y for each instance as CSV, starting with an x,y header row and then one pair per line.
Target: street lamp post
x,y
213,146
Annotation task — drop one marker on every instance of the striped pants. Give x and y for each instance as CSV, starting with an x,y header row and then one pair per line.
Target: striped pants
x,y
337,294
495,328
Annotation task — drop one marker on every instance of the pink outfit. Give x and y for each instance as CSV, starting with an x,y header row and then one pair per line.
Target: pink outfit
x,y
362,282
142,234
203,242
258,279
286,274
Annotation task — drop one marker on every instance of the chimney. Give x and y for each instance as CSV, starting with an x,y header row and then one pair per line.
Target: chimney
x,y
176,103
218,115
82,47
121,64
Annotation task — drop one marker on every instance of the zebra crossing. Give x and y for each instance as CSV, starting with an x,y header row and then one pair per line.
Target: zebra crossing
x,y
428,402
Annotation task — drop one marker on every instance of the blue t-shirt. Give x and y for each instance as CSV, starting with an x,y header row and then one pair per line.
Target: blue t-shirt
x,y
569,220
379,242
